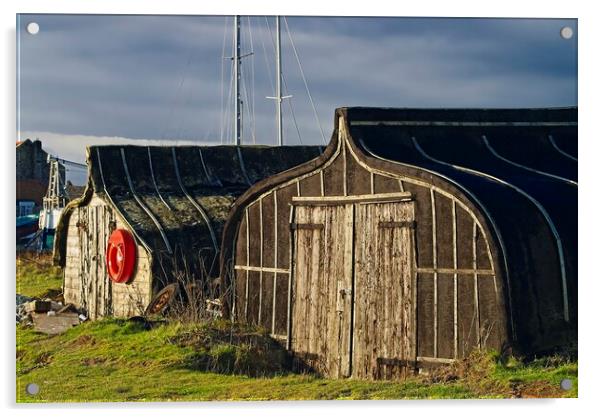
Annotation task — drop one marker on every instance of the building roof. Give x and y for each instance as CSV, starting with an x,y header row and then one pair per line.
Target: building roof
x,y
176,199
28,142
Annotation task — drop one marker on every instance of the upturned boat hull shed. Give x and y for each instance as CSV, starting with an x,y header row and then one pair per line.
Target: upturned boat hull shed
x,y
163,206
416,237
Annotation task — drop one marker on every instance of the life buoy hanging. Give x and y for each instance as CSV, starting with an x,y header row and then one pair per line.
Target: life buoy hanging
x,y
121,256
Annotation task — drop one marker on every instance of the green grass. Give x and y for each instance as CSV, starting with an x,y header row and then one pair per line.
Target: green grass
x,y
113,360
36,277
119,360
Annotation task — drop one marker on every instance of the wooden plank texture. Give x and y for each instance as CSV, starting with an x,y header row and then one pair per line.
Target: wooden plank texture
x,y
87,284
319,330
384,310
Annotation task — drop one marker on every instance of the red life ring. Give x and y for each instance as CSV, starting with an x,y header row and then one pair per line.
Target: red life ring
x,y
121,256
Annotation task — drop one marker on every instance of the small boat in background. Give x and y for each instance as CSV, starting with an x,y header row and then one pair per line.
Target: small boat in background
x,y
27,226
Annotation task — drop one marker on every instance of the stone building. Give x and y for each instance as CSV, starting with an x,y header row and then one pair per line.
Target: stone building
x,y
31,175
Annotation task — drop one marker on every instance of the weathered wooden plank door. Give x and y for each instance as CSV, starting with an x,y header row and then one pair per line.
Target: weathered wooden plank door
x,y
353,292
93,259
93,233
322,287
84,264
384,321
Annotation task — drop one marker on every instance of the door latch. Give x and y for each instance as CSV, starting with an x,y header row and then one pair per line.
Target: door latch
x,y
345,291
341,298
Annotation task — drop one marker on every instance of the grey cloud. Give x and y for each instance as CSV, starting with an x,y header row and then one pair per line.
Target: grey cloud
x,y
159,76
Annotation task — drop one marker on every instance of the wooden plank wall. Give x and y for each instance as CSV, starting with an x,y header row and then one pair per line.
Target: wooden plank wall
x,y
457,295
86,282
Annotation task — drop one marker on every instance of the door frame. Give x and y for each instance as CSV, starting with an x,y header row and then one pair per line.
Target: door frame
x,y
338,201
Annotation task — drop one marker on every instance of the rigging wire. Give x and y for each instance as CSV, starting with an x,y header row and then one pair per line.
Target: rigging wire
x,y
244,97
231,100
304,79
179,127
286,90
181,83
221,125
290,104
229,106
252,56
247,108
265,55
188,94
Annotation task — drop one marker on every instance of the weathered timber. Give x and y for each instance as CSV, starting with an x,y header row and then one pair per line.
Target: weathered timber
x,y
475,265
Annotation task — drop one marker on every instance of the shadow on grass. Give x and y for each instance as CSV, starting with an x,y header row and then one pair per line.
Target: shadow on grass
x,y
229,348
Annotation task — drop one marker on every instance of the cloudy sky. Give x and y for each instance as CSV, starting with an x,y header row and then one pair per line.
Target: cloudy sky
x,y
87,79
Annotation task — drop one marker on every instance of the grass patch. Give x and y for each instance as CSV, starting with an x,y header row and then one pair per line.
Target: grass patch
x,y
37,277
121,360
223,347
487,374
118,360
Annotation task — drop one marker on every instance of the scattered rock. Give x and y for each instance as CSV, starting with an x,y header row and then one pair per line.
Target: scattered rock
x,y
38,306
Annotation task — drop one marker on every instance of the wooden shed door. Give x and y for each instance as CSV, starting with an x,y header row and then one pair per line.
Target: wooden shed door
x,y
353,288
94,230
384,322
322,291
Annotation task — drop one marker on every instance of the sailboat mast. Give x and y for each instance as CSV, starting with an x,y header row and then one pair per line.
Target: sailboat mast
x,y
278,82
237,115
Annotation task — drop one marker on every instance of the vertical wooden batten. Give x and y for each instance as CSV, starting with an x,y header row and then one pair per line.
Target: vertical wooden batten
x,y
248,264
322,183
455,258
350,278
435,283
289,318
260,261
275,261
476,283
